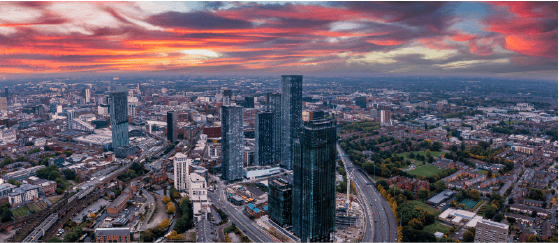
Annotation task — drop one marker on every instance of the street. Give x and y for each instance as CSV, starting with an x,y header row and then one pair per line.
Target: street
x,y
381,224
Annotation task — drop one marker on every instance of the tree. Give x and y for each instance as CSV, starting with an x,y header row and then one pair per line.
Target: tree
x,y
384,184
423,194
469,235
428,153
7,215
490,212
175,236
166,199
69,174
532,238
498,217
181,225
489,174
416,224
453,204
439,186
534,214
164,223
14,182
475,195
54,239
170,208
511,201
409,194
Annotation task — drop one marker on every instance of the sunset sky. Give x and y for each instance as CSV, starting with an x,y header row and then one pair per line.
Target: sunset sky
x,y
505,38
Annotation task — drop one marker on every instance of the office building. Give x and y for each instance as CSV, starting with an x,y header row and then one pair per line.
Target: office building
x,y
314,181
361,102
172,134
373,113
249,102
70,116
228,93
181,165
232,142
385,116
119,117
291,115
3,104
490,231
87,95
112,235
132,108
280,199
226,100
264,143
274,106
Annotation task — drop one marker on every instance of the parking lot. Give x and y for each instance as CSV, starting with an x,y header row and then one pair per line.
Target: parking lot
x,y
93,208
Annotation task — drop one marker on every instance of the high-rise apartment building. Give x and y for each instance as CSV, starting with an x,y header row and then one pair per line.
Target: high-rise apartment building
x,y
361,102
172,134
119,117
274,106
232,142
181,165
249,102
280,200
314,181
385,116
491,231
264,143
70,116
291,116
228,93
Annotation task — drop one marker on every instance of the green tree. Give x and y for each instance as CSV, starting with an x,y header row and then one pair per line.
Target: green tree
x,y
416,224
439,186
14,182
469,235
423,194
54,239
384,184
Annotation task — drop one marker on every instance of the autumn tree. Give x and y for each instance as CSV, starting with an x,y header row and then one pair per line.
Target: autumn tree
x,y
166,199
170,208
165,223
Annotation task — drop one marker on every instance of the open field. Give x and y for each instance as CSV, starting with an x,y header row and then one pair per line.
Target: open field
x,y
437,226
424,206
21,211
433,153
425,170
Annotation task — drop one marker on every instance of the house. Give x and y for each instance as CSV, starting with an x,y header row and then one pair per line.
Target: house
x,y
412,184
529,209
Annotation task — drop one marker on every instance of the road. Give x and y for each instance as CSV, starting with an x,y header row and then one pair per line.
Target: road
x,y
380,222
250,228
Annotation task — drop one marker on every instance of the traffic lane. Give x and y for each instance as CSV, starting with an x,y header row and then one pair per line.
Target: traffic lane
x,y
381,214
368,214
240,221
378,232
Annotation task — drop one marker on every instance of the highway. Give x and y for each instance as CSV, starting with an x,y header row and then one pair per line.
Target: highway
x,y
380,222
249,227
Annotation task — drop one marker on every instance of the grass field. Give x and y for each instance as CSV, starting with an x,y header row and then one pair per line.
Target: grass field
x,y
437,226
424,206
21,211
55,199
425,170
433,153
469,203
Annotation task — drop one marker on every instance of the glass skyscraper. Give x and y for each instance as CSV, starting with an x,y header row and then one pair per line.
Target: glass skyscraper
x,y
274,106
314,181
280,199
264,147
119,117
232,142
291,115
172,134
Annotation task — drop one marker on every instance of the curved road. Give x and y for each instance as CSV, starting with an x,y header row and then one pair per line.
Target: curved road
x,y
380,222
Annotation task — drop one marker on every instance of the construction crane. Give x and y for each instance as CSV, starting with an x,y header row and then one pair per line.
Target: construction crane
x,y
348,204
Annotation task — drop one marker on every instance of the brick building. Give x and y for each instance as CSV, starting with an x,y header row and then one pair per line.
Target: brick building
x,y
412,184
112,235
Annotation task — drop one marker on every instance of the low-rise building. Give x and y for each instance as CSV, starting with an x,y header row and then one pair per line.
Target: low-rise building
x,y
118,204
23,194
112,235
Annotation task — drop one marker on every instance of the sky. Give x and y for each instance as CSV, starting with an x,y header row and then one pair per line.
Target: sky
x,y
517,39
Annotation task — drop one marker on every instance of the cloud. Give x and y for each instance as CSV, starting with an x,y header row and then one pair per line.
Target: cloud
x,y
197,20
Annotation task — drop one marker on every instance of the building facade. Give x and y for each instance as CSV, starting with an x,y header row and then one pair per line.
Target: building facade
x,y
280,200
119,117
291,116
490,231
385,116
314,181
232,142
112,235
181,166
274,106
264,140
172,134
3,104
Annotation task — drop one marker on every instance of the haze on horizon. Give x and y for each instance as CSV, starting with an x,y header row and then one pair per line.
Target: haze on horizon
x,y
510,39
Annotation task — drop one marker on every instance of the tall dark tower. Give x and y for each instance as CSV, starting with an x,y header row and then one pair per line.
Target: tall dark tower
x,y
274,106
314,181
264,149
291,115
172,134
7,95
232,142
119,117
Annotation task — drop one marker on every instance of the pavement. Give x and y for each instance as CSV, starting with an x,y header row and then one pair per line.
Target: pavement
x,y
252,230
158,216
93,208
375,206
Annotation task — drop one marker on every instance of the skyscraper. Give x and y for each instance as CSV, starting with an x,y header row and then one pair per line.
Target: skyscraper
x,y
87,95
181,165
249,102
228,93
70,115
314,181
361,102
291,115
7,94
264,149
385,116
119,117
172,134
274,106
280,199
232,142
3,104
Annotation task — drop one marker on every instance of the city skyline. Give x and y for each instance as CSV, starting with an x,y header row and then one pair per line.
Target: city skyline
x,y
515,39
